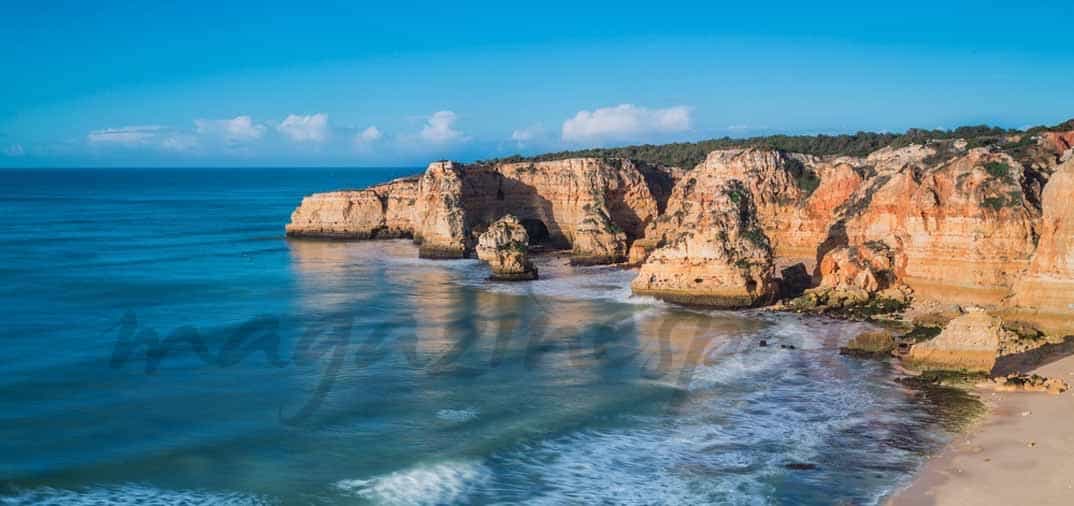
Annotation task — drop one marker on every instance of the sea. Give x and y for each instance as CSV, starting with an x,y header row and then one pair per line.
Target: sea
x,y
165,343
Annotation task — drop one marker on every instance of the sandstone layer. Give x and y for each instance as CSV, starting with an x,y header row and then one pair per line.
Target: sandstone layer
x,y
505,247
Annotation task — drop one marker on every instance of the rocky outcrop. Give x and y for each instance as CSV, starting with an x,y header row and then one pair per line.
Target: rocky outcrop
x,y
505,247
383,211
941,221
971,343
439,217
1025,383
595,207
873,344
961,229
710,248
1045,293
869,268
795,195
1059,142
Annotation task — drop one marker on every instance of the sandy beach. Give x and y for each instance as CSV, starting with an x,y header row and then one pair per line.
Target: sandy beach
x,y
1020,453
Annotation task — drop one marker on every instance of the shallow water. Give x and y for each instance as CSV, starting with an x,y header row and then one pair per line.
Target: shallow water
x,y
165,343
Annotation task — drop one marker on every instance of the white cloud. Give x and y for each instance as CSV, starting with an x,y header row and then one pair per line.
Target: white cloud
x,y
625,121
527,134
235,130
312,128
440,128
371,134
128,135
180,142
14,150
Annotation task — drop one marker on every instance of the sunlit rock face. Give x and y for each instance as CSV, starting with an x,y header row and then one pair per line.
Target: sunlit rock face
x,y
594,207
384,211
962,227
943,221
710,248
1045,293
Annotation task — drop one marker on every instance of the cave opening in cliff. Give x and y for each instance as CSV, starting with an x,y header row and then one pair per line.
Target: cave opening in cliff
x,y
537,231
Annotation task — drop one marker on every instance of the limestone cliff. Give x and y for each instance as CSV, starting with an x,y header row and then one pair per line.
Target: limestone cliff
x,y
595,207
944,220
960,228
380,212
505,247
439,217
709,246
1045,293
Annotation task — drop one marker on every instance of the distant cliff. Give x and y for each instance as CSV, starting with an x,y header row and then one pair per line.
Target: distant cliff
x,y
979,220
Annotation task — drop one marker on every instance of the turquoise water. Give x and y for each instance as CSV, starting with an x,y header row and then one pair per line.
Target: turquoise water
x,y
164,343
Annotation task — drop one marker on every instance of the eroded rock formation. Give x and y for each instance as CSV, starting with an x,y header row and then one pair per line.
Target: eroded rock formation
x,y
595,207
960,227
505,247
383,211
944,221
1045,293
709,247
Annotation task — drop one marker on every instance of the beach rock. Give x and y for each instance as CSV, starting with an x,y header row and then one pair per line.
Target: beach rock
x,y
505,247
971,343
383,211
1045,293
874,343
1025,383
713,251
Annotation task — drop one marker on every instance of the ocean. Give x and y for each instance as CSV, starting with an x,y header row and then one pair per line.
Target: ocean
x,y
166,344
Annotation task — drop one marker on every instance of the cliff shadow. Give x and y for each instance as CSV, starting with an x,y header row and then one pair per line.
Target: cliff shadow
x,y
489,195
1032,359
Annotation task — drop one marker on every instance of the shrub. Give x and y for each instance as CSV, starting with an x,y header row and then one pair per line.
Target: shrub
x,y
998,169
994,203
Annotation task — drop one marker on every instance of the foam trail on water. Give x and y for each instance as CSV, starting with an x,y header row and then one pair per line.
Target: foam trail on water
x,y
427,484
457,415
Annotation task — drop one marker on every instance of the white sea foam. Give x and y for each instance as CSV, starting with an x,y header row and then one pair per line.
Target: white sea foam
x,y
457,415
125,494
441,483
751,412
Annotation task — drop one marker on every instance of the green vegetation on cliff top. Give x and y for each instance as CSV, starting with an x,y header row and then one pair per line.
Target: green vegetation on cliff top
x,y
689,154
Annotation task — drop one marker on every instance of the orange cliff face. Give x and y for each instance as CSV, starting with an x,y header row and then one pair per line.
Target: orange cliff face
x,y
1045,293
989,225
960,228
383,211
593,206
710,248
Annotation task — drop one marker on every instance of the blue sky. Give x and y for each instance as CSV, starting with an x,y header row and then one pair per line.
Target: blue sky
x,y
400,83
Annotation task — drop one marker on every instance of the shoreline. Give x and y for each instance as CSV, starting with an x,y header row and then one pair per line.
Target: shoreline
x,y
1019,452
